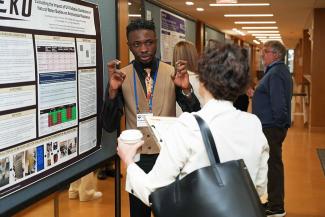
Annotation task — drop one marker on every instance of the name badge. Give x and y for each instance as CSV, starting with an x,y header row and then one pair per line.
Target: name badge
x,y
141,119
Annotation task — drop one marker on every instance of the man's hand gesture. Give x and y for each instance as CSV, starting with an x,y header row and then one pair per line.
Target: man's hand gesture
x,y
116,78
181,77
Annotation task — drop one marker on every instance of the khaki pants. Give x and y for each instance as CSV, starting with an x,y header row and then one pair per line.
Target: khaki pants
x,y
84,188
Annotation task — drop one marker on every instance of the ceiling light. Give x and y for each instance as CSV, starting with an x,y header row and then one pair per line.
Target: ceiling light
x,y
200,9
134,15
248,15
266,34
226,1
255,22
263,31
238,32
238,5
256,42
129,3
259,27
272,40
189,3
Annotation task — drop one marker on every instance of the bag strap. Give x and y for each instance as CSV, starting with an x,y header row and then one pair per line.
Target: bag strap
x,y
208,140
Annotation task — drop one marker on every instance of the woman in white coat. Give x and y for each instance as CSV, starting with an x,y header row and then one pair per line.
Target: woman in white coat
x,y
223,75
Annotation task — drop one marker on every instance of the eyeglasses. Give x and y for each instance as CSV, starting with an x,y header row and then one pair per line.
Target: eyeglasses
x,y
268,51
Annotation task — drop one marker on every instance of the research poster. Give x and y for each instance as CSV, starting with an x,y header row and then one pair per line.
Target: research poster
x,y
173,30
49,74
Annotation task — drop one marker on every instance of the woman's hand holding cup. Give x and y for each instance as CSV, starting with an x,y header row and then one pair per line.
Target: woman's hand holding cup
x,y
128,144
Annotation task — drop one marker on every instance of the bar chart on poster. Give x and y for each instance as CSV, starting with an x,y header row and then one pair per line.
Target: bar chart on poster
x,y
50,100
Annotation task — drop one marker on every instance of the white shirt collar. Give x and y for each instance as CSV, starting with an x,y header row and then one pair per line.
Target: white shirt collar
x,y
215,107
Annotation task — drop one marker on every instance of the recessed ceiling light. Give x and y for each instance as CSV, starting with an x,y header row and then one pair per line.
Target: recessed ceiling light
x,y
248,15
239,5
134,15
189,3
265,40
238,32
259,27
129,3
200,9
255,22
266,34
263,31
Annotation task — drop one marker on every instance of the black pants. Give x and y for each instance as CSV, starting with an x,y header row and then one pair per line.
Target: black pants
x,y
275,175
137,208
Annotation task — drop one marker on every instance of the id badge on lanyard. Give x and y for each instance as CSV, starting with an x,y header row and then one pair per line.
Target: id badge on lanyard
x,y
141,117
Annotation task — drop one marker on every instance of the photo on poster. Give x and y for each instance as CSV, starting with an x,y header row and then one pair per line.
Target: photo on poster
x,y
30,161
63,149
72,147
18,165
4,171
40,158
86,52
55,152
49,154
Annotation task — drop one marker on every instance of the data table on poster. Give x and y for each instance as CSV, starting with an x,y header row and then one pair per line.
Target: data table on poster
x,y
55,54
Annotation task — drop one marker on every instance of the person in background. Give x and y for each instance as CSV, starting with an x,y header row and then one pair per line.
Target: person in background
x,y
186,51
223,75
147,86
107,170
272,104
84,189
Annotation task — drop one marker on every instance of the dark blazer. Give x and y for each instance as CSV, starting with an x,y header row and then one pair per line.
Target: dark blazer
x,y
272,98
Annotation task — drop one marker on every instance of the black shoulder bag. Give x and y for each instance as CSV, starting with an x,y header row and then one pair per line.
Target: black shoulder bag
x,y
219,190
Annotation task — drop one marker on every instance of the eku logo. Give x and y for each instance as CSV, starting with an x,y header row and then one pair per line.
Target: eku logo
x,y
15,9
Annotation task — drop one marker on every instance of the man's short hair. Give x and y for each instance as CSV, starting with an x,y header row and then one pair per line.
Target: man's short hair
x,y
277,47
138,24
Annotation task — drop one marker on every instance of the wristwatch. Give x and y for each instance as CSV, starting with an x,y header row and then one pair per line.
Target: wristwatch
x,y
188,94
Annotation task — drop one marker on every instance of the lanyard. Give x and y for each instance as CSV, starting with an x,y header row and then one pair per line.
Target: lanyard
x,y
152,89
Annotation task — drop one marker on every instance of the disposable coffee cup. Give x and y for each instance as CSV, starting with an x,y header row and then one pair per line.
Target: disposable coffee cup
x,y
131,137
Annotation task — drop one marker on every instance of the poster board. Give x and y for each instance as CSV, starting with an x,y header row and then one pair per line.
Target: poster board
x,y
153,11
51,76
173,30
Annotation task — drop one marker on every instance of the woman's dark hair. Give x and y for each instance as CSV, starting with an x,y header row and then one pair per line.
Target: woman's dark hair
x,y
138,24
223,70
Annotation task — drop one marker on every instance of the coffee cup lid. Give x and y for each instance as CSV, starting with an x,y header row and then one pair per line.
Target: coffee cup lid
x,y
131,135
